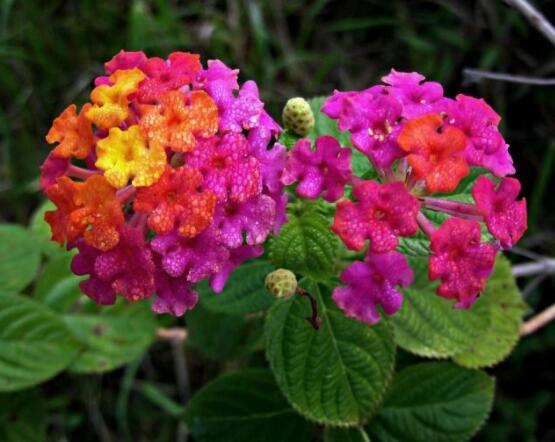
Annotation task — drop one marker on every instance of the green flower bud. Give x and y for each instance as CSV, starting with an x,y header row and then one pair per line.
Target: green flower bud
x,y
281,283
297,116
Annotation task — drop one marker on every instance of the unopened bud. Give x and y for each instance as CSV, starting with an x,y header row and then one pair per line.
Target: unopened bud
x,y
281,283
298,116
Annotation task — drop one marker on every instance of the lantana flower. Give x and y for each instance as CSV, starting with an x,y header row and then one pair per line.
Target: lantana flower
x,y
178,180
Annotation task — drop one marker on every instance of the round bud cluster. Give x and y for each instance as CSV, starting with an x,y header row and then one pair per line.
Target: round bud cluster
x,y
281,283
298,116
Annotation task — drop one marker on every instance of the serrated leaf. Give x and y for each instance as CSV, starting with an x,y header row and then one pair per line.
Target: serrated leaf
x,y
57,287
19,258
22,417
434,401
35,344
222,336
244,292
345,435
113,337
506,307
336,375
305,245
41,229
244,406
428,325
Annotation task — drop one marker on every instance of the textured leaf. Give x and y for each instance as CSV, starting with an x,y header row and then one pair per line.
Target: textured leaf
x,y
336,375
35,344
222,336
345,435
506,307
42,232
22,417
305,245
115,336
435,401
244,291
428,325
19,258
56,286
244,406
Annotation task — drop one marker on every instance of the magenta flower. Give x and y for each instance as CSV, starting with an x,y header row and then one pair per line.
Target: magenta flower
x,y
418,97
383,212
217,73
372,283
261,135
173,295
255,217
237,257
272,164
485,145
52,168
126,60
504,215
127,269
372,118
229,169
320,172
460,260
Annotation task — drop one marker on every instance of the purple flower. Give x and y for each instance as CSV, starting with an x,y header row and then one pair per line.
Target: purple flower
x,y
173,295
255,217
372,283
127,269
485,145
237,257
197,258
272,164
323,171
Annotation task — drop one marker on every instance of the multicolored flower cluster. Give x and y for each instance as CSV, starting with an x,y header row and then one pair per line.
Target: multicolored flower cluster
x,y
420,143
167,177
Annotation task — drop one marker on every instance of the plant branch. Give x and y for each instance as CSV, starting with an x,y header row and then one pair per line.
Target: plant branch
x,y
476,75
538,321
314,319
545,265
535,17
178,334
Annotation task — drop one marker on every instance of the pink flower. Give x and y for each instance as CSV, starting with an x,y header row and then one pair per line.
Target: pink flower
x,y
320,172
237,257
418,97
371,284
173,295
255,217
196,258
372,118
127,269
272,164
460,260
383,212
504,215
261,135
217,71
125,60
52,168
485,145
229,169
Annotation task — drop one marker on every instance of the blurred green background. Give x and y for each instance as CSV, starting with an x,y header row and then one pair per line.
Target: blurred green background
x,y
50,51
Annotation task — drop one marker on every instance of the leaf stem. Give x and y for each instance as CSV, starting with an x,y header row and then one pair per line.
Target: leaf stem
x,y
314,319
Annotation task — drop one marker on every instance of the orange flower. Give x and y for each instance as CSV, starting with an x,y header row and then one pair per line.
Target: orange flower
x,y
174,123
73,132
436,152
89,208
111,102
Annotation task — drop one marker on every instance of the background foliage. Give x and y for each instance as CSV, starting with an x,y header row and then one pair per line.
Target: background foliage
x,y
49,53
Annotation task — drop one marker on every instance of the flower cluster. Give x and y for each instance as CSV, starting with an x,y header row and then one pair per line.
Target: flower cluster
x,y
420,143
167,177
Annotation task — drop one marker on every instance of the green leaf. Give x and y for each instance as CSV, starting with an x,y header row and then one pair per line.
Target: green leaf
x,y
345,435
244,292
221,336
22,417
435,401
336,375
19,258
41,229
288,138
115,336
56,286
305,245
428,325
35,344
506,307
244,406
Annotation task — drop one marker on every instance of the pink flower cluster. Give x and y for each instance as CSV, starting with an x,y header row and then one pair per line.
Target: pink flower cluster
x,y
181,180
420,143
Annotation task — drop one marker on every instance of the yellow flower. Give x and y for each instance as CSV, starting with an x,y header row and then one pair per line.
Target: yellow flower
x,y
111,102
124,155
